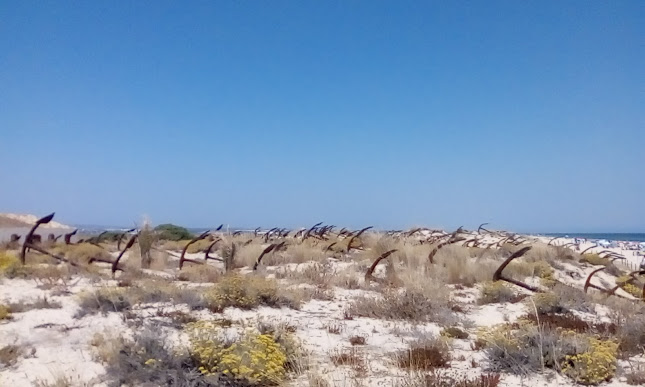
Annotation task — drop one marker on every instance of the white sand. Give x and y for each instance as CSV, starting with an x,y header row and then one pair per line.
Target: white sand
x,y
63,348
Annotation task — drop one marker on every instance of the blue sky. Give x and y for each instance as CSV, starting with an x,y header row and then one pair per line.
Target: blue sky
x,y
528,115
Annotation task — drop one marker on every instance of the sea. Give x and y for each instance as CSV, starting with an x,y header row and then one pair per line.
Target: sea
x,y
631,237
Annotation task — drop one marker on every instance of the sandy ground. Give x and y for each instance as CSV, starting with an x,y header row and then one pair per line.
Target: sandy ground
x,y
59,344
26,220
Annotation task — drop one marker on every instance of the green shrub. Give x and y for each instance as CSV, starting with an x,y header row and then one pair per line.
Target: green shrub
x,y
454,332
103,300
409,304
171,232
8,263
524,348
594,259
593,366
494,292
246,292
254,357
5,313
146,360
545,303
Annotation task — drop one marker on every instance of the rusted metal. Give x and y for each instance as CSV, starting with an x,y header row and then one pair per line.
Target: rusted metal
x,y
370,270
266,251
412,231
588,283
330,246
442,245
183,258
14,238
481,227
308,232
115,264
499,276
58,257
68,237
220,227
121,236
210,247
28,238
96,240
357,235
268,234
587,249
553,240
34,239
501,242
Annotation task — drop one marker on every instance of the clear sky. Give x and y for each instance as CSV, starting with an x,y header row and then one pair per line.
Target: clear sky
x,y
529,115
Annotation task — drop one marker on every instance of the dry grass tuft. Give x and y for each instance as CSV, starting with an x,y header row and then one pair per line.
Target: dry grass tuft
x,y
63,381
636,375
497,292
571,322
147,360
334,329
5,313
454,332
425,355
247,292
82,253
350,357
594,259
406,304
10,354
199,274
118,299
40,303
445,379
357,340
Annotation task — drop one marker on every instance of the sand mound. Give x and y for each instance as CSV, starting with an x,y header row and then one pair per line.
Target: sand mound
x,y
26,220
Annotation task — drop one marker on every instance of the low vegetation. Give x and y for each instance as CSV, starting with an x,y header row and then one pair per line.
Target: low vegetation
x,y
496,292
171,232
437,378
526,348
431,303
426,355
257,358
247,292
204,307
